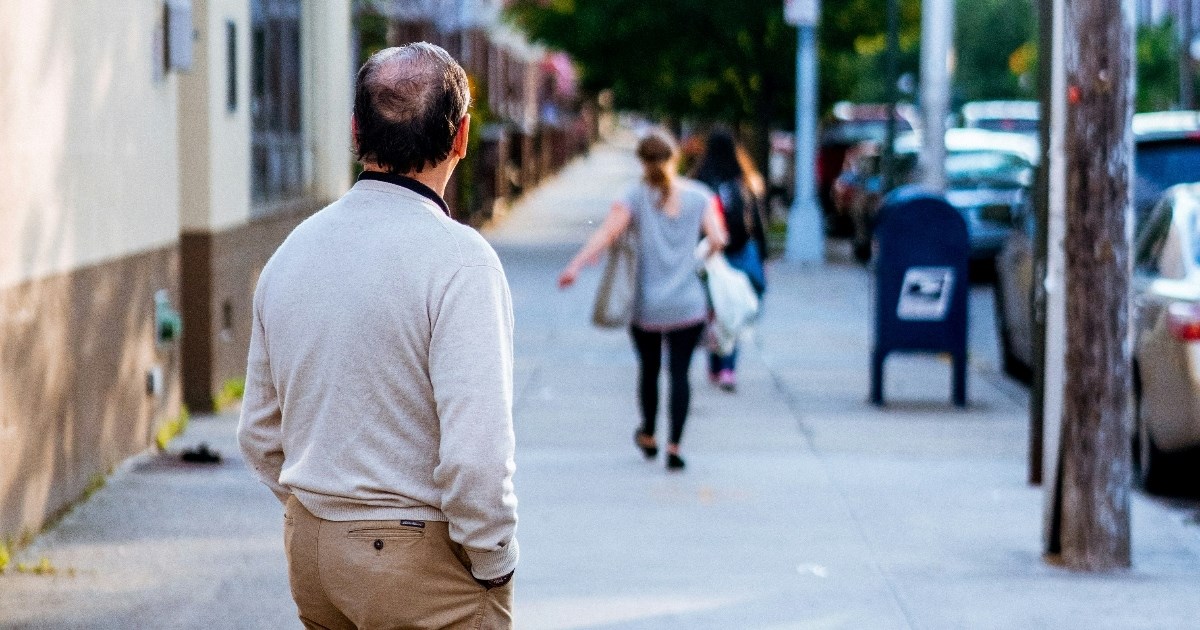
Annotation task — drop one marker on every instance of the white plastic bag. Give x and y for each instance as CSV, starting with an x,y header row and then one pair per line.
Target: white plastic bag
x,y
734,303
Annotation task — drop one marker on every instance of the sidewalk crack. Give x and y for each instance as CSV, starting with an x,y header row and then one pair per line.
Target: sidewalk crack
x,y
793,405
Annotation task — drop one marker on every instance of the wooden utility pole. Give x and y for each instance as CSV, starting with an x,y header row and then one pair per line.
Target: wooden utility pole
x,y
1093,481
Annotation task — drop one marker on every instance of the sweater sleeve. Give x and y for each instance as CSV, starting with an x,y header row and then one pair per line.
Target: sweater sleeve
x,y
260,434
471,369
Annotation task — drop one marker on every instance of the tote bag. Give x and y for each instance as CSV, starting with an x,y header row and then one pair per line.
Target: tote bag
x,y
618,287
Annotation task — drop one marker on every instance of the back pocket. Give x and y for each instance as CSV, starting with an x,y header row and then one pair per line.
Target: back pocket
x,y
385,532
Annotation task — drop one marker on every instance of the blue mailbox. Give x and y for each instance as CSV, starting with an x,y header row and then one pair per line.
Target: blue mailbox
x,y
921,284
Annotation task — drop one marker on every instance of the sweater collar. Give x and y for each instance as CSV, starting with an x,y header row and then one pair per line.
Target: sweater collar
x,y
409,183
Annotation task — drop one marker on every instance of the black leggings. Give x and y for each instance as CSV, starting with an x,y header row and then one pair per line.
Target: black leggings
x,y
680,345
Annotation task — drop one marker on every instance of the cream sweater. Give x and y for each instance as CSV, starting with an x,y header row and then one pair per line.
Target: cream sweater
x,y
379,383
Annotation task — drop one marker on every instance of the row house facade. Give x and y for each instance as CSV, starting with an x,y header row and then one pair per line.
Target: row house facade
x,y
531,119
155,152
1156,11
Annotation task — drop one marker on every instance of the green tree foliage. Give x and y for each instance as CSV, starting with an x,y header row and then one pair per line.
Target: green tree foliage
x,y
854,48
996,43
722,60
372,34
733,60
1157,67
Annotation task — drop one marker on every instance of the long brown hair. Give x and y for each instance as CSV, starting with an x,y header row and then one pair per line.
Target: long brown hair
x,y
655,151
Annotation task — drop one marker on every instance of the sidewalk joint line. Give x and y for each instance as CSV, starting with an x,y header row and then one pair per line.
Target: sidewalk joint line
x,y
793,406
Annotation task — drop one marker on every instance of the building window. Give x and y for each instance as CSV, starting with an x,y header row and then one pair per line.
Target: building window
x,y
231,84
277,143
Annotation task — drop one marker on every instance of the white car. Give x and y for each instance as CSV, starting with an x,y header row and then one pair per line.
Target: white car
x,y
1012,116
1166,327
1166,291
1166,364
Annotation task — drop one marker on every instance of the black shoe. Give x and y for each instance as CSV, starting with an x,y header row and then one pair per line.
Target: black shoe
x,y
674,462
649,451
201,455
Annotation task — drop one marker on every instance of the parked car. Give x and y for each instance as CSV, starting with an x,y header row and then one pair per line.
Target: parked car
x,y
1166,328
1166,288
1166,153
1010,116
849,125
988,175
859,190
1013,292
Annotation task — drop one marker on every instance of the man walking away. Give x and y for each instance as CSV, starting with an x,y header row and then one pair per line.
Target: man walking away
x,y
378,402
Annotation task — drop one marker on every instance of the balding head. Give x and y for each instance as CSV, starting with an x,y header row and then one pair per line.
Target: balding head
x,y
408,104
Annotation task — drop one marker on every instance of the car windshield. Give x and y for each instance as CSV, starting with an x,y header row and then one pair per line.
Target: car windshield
x,y
855,131
1159,165
987,167
1016,125
1165,164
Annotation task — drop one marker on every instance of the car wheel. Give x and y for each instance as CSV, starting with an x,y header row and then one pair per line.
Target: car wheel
x,y
1150,462
1012,364
862,250
1154,466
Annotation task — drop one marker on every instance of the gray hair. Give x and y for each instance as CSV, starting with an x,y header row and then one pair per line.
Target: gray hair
x,y
408,104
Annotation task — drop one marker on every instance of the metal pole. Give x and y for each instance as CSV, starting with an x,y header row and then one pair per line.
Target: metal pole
x,y
937,34
1037,302
806,226
1187,76
1055,309
893,77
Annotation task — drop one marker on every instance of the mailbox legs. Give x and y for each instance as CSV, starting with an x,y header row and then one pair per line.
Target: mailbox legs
x,y
877,358
958,375
960,379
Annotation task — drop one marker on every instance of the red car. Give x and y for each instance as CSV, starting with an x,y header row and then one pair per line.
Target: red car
x,y
849,125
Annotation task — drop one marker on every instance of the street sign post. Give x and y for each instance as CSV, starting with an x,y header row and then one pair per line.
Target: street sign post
x,y
937,41
806,225
802,12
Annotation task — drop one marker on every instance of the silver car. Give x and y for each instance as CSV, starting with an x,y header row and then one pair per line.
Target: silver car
x,y
1166,321
1166,363
1166,152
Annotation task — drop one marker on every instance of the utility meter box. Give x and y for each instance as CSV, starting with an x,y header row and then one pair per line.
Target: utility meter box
x,y
168,324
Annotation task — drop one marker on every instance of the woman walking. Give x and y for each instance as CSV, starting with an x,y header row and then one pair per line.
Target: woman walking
x,y
668,214
729,171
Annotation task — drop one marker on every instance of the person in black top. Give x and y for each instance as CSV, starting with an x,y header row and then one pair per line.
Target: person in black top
x,y
731,175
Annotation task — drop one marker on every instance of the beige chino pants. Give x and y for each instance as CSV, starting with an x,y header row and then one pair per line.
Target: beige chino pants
x,y
375,575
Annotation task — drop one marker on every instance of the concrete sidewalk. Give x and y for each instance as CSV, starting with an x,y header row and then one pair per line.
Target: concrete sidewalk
x,y
802,505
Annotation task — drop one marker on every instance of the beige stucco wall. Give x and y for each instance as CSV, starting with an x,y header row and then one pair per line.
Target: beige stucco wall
x,y
329,67
89,169
215,193
215,142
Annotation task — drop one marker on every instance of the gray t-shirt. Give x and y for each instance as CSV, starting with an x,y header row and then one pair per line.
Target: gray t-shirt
x,y
670,294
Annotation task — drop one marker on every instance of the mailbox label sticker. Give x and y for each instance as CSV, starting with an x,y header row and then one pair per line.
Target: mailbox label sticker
x,y
925,296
